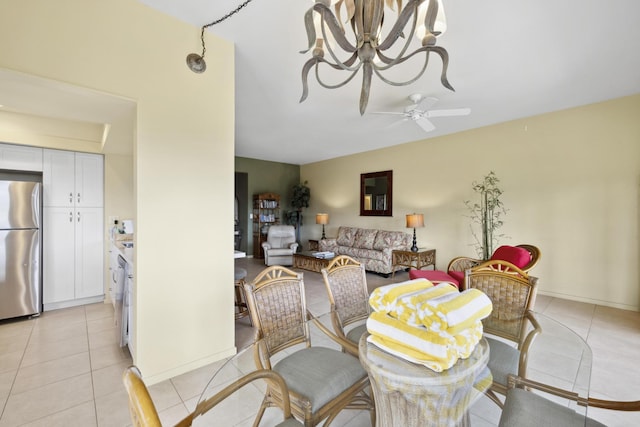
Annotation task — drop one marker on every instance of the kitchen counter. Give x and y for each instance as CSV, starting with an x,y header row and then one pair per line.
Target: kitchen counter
x,y
127,253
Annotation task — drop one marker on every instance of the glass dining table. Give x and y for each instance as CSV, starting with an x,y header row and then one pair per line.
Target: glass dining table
x,y
557,356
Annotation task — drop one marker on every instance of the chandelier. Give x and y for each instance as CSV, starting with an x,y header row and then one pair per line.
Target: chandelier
x,y
368,46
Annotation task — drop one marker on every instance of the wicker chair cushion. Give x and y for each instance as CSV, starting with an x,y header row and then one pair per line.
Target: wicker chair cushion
x,y
516,256
319,373
434,276
354,334
524,408
504,360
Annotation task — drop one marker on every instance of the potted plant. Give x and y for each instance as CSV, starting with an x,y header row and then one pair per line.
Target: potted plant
x,y
299,200
487,214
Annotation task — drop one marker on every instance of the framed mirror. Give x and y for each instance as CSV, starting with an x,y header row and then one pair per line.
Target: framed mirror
x,y
376,193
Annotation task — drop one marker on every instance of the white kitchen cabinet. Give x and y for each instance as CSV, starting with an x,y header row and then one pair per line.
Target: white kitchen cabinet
x,y
73,228
20,157
73,179
73,256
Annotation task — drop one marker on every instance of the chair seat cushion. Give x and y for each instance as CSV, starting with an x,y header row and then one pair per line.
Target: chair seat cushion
x,y
457,275
354,334
289,422
280,252
434,276
524,408
320,374
503,360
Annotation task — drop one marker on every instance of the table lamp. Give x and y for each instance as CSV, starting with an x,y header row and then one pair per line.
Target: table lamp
x,y
322,218
413,221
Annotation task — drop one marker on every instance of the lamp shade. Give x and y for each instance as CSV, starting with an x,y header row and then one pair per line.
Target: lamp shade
x,y
415,220
322,218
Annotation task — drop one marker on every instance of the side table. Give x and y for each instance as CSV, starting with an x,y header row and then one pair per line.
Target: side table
x,y
417,260
412,395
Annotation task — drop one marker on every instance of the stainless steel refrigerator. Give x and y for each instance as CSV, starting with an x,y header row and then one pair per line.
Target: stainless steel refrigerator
x,y
20,243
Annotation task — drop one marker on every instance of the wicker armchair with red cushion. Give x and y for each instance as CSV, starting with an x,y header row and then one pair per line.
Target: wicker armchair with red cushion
x,y
522,256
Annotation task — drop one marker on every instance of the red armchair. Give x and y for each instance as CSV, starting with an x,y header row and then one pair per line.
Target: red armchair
x,y
522,256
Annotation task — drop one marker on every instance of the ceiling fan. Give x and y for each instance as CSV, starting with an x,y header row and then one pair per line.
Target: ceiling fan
x,y
420,113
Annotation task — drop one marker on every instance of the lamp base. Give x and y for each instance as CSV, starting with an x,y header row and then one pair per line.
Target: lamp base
x,y
323,238
414,248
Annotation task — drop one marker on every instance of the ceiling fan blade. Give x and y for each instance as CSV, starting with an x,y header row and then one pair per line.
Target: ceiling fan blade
x,y
396,123
395,113
448,113
425,124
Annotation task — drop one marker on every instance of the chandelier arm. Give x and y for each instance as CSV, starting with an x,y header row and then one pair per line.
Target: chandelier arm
x,y
331,22
345,65
396,31
328,86
442,52
398,59
311,30
315,61
408,82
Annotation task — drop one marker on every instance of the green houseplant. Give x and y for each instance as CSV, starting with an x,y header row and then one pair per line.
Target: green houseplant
x,y
300,199
486,214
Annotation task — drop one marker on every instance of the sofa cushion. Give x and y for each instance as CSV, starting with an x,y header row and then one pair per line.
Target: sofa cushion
x,y
346,236
513,254
391,239
365,238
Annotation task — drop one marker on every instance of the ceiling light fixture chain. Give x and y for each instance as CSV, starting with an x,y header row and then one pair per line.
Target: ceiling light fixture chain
x,y
196,62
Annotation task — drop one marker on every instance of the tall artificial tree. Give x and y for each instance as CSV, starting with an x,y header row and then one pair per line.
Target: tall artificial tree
x,y
486,213
299,200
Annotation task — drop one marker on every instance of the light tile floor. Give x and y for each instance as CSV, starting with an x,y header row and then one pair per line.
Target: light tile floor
x,y
64,368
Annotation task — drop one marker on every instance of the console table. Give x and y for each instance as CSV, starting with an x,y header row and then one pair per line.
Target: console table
x,y
409,259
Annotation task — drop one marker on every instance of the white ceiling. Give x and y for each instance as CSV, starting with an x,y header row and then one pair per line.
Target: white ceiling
x,y
508,60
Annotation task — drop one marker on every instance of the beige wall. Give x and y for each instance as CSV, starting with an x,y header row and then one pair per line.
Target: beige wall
x,y
183,147
571,182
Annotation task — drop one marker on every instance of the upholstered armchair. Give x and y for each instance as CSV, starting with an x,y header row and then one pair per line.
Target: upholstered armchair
x,y
280,245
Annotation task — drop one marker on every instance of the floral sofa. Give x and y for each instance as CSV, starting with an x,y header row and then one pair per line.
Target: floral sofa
x,y
370,247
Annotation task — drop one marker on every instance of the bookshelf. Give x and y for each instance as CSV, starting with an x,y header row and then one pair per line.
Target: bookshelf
x,y
266,212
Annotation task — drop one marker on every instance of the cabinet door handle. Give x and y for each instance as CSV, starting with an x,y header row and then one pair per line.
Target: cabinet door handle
x,y
70,197
78,216
78,197
70,216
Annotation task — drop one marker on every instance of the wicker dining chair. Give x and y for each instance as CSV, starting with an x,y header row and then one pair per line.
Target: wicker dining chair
x,y
322,381
346,282
525,407
513,294
144,413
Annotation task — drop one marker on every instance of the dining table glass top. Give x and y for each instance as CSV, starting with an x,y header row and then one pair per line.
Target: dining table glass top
x,y
558,356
